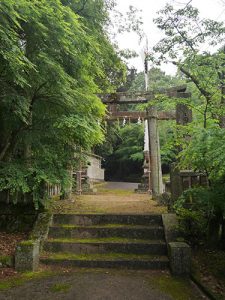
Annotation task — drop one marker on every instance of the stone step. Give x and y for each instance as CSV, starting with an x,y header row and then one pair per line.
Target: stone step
x,y
98,219
106,245
118,260
101,231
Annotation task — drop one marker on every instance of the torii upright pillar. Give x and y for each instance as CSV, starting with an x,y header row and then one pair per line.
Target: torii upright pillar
x,y
154,148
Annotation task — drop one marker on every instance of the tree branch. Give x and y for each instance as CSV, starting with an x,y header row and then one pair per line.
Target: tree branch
x,y
206,94
83,6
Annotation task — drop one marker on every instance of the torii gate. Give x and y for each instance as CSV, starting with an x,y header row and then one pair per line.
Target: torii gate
x,y
182,115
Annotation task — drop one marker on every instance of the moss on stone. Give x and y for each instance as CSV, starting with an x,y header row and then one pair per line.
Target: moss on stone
x,y
41,226
97,256
105,226
27,243
99,240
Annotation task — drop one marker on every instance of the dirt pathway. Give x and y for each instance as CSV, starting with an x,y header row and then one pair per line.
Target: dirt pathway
x,y
111,197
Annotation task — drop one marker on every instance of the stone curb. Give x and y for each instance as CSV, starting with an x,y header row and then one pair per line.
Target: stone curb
x,y
179,252
203,289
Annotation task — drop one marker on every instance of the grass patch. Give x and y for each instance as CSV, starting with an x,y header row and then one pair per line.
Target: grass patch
x,y
116,192
99,184
177,288
23,278
61,287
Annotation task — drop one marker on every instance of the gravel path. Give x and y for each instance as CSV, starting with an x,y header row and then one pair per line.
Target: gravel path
x,y
121,185
103,285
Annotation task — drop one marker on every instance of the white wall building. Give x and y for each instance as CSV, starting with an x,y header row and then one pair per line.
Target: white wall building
x,y
94,169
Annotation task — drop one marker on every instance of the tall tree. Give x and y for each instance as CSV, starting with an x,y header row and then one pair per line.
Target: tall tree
x,y
55,57
186,44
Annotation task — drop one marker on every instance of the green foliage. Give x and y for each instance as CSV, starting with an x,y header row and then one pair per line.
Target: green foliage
x,y
167,134
200,143
55,57
157,81
196,209
123,151
132,143
192,226
205,151
186,34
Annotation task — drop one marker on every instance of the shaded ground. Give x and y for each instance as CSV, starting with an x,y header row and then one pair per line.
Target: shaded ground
x,y
209,269
110,198
8,242
101,285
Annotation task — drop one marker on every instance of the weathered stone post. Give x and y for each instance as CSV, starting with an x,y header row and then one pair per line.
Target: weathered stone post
x,y
154,148
183,114
175,182
183,117
180,258
27,256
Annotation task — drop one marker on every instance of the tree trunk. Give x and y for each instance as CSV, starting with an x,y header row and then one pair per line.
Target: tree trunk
x,y
213,238
222,240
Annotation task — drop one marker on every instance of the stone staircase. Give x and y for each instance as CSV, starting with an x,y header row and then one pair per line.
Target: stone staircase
x,y
106,241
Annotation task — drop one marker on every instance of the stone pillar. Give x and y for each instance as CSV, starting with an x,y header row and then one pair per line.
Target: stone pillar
x,y
183,114
180,258
145,185
183,117
27,256
175,182
69,190
155,157
79,182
